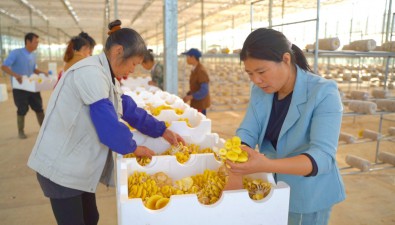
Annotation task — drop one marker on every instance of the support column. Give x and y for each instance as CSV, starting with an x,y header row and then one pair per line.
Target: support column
x,y
116,10
270,13
317,26
170,13
388,30
202,26
31,20
1,43
49,43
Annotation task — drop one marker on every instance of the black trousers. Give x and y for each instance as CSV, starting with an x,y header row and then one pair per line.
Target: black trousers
x,y
78,210
24,99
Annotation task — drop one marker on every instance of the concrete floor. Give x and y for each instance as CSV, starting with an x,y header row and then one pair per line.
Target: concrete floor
x,y
370,196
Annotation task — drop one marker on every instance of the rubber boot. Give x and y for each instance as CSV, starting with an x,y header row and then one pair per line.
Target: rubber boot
x,y
21,126
40,117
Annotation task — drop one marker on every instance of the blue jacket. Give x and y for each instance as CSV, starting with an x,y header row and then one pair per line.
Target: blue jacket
x,y
311,126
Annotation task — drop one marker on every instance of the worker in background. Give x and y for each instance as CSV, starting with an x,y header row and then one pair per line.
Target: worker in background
x,y
78,48
294,116
156,69
72,151
198,93
22,62
92,42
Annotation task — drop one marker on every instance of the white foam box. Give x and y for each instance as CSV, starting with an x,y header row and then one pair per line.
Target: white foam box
x,y
200,124
3,93
35,84
233,208
156,98
160,145
134,83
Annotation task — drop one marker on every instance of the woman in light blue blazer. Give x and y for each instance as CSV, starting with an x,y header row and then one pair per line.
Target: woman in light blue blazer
x,y
294,116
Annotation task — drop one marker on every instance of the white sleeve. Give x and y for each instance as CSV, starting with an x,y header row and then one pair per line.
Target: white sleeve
x,y
92,84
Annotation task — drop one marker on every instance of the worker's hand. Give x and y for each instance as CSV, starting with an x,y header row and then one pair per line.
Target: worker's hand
x,y
256,163
144,151
234,182
187,98
172,137
18,78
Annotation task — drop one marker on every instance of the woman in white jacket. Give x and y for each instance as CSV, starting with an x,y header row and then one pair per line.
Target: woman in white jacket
x,y
72,152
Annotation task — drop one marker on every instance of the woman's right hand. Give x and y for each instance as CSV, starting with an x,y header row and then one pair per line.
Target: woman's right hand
x,y
144,151
257,162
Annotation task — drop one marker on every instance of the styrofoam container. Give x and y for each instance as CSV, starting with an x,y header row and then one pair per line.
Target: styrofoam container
x,y
181,128
134,83
234,207
200,124
35,83
160,145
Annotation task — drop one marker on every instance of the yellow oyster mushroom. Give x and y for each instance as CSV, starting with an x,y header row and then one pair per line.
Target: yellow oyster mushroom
x,y
236,149
228,144
213,200
161,203
222,151
143,194
187,182
257,196
236,141
179,111
242,158
232,156
151,202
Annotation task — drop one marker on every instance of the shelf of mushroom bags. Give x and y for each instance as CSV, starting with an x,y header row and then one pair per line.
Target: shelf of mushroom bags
x,y
379,103
190,179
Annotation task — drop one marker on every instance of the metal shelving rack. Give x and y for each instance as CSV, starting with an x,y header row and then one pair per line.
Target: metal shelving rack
x,y
387,56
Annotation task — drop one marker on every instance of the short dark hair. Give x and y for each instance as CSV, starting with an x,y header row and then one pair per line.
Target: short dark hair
x,y
131,41
30,36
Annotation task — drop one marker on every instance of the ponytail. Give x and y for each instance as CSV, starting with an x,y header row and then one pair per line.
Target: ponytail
x,y
68,55
75,44
300,58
